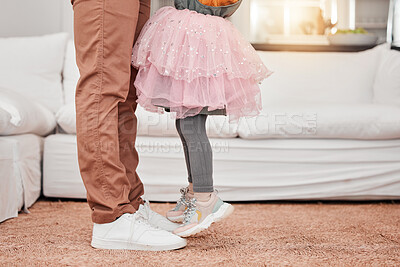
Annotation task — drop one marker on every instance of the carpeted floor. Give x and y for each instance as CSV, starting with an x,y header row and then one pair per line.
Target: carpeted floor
x,y
58,233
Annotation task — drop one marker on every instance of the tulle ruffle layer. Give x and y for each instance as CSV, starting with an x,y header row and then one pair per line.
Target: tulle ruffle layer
x,y
188,61
240,97
187,45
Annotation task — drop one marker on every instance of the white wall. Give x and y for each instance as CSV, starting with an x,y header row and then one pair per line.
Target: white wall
x,y
241,19
37,17
34,17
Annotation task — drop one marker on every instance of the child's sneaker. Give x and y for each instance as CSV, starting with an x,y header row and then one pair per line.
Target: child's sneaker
x,y
176,214
200,215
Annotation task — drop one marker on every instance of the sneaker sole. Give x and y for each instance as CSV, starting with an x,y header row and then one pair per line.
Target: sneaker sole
x,y
177,219
113,244
224,211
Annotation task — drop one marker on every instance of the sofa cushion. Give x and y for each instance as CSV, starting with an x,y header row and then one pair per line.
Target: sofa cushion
x,y
361,121
6,118
152,124
70,73
66,118
155,124
387,81
32,66
20,115
319,77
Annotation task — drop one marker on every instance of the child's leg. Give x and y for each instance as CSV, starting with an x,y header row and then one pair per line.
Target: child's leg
x,y
198,152
205,207
185,151
194,139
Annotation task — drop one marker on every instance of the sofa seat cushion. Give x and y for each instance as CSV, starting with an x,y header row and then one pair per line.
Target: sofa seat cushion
x,y
358,121
248,170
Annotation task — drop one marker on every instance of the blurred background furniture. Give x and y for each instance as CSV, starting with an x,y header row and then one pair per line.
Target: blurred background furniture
x,y
328,131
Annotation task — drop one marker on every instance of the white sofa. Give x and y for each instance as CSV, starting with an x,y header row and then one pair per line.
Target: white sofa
x,y
330,129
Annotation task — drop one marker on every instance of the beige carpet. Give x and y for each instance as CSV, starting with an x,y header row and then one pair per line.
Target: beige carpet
x,y
58,233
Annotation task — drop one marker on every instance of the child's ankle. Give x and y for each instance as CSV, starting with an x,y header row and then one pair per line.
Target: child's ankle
x,y
202,197
190,190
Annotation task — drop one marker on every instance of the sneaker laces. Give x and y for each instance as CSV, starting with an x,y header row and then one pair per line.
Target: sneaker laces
x,y
182,201
147,213
191,208
142,215
143,211
140,218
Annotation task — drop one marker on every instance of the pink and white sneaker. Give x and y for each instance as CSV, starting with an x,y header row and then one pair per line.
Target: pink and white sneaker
x,y
200,215
176,214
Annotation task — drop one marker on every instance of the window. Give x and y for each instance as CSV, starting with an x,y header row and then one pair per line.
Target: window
x,y
291,20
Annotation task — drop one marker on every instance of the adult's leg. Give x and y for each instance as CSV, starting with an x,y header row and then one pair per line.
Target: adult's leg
x,y
104,35
199,152
128,121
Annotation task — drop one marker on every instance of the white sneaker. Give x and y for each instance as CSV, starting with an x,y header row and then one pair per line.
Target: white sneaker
x,y
133,232
155,219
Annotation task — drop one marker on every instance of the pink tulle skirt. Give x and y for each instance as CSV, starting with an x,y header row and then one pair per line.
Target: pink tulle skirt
x,y
188,61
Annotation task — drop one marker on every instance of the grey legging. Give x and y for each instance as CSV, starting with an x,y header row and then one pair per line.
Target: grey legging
x,y
198,152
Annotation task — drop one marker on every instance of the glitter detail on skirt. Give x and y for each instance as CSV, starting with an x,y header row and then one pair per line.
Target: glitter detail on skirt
x,y
188,61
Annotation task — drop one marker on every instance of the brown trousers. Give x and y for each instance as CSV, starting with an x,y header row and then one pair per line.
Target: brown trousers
x,y
104,34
